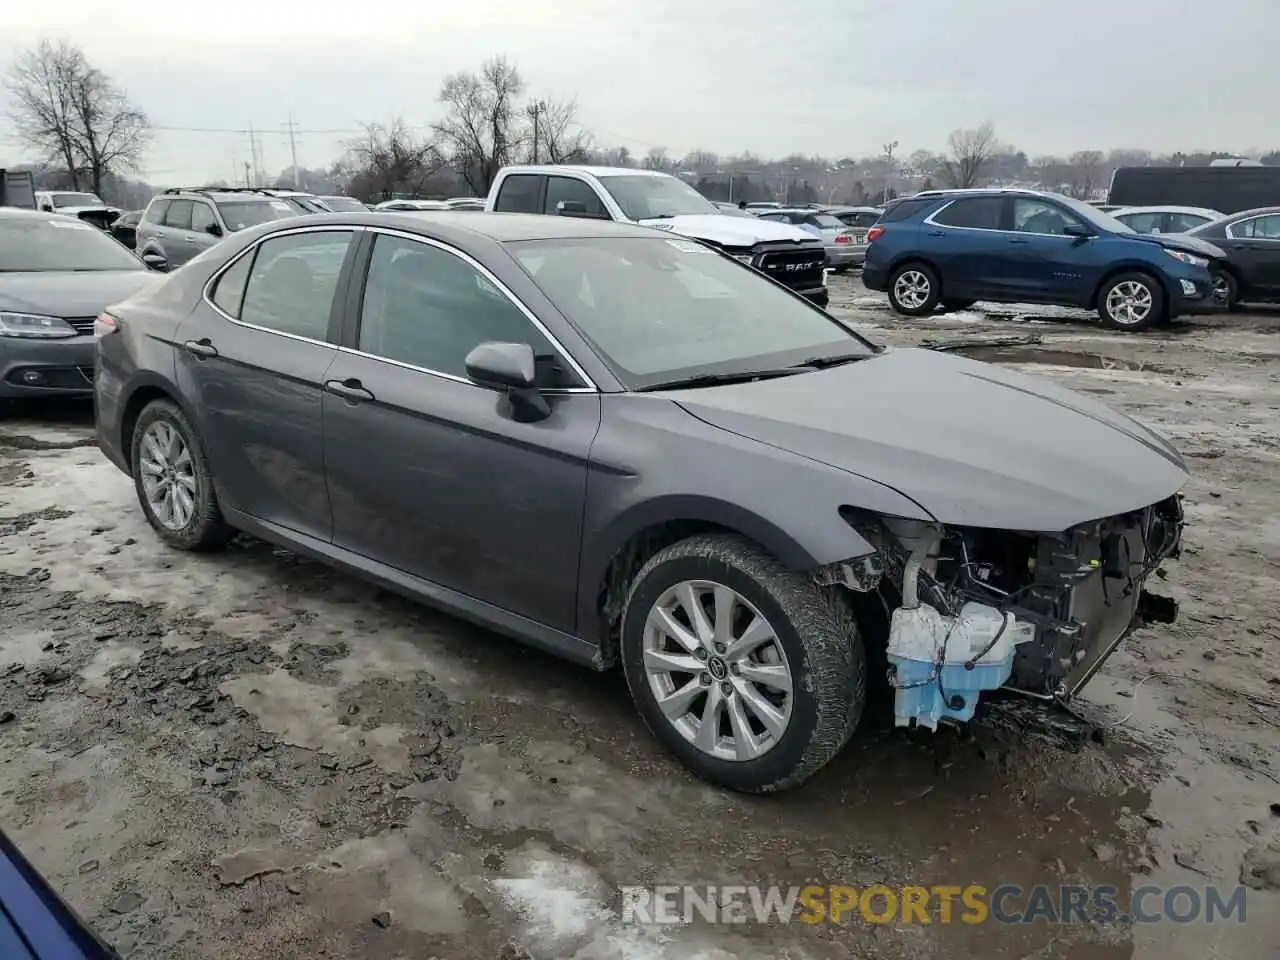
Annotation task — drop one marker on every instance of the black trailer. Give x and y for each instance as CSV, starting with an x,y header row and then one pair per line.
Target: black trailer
x,y
1226,189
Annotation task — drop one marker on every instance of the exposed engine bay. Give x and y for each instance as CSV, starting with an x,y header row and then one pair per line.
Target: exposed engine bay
x,y
975,609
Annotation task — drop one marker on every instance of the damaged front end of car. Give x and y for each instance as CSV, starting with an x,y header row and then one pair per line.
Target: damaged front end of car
x,y
973,610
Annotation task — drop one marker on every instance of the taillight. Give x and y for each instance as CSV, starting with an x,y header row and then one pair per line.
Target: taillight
x,y
842,238
874,234
105,324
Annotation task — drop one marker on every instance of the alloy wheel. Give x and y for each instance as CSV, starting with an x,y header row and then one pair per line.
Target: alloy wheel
x,y
1130,302
911,289
718,671
168,475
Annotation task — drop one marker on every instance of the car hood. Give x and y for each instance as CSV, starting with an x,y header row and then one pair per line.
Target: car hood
x,y
731,231
66,294
972,443
1180,241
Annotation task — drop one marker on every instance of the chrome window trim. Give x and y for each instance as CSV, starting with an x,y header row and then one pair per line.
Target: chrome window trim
x,y
206,296
485,272
1013,233
1261,216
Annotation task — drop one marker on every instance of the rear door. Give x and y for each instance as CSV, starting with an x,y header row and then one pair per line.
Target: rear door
x,y
252,359
432,474
177,232
966,241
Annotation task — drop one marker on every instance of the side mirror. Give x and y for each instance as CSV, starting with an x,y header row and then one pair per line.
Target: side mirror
x,y
213,230
512,369
156,262
1075,230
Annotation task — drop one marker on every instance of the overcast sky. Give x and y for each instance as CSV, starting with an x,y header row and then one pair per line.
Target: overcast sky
x,y
770,76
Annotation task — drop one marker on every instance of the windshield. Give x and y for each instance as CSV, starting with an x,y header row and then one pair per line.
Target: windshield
x,y
646,198
344,205
663,309
75,200
240,214
37,245
1095,217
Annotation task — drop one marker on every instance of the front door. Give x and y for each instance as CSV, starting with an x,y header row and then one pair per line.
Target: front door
x,y
254,368
1046,264
430,473
1255,248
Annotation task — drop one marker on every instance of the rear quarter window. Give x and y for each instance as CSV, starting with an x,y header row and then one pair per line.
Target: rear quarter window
x,y
906,209
518,193
155,211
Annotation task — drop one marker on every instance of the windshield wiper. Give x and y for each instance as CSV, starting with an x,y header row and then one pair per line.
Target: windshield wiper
x,y
718,379
835,360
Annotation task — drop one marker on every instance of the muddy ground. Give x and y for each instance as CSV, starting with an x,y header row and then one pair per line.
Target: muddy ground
x,y
250,756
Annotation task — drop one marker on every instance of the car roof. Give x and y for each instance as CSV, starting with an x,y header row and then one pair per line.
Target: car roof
x,y
585,169
499,227
211,195
21,213
1255,212
1166,208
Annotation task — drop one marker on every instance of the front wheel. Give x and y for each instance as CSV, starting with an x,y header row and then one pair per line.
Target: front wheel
x,y
914,290
173,480
747,671
1131,301
1226,290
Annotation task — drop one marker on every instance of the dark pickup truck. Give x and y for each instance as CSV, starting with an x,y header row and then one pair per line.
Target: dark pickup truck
x,y
36,923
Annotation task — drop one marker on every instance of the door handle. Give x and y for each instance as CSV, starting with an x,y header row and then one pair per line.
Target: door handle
x,y
937,233
351,390
1017,240
201,348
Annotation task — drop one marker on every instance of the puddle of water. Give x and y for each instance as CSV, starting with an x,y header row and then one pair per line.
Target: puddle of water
x,y
1060,358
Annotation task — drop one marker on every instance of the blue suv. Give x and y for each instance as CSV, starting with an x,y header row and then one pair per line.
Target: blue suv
x,y
955,247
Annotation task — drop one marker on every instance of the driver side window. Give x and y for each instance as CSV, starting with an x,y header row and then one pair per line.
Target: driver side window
x,y
1037,216
428,308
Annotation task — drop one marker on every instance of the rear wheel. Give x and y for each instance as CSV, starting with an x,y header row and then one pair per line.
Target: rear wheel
x,y
747,671
914,290
173,481
1131,301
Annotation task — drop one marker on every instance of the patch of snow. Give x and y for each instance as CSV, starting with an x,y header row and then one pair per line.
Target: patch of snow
x,y
869,302
964,316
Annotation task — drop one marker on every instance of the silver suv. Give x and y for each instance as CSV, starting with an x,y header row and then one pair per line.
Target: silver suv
x,y
178,224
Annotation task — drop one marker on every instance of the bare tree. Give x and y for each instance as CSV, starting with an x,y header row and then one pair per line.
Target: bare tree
x,y
971,152
657,159
389,160
75,114
703,161
481,128
1085,173
557,136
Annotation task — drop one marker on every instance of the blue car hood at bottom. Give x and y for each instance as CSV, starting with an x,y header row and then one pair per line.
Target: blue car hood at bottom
x,y
1180,241
973,443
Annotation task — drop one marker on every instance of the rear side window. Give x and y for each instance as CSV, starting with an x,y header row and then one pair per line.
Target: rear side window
x,y
292,283
228,293
518,194
155,211
1142,222
179,215
977,213
560,189
906,209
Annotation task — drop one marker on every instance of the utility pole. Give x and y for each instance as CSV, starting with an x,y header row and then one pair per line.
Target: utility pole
x,y
293,155
253,155
535,111
888,163
248,181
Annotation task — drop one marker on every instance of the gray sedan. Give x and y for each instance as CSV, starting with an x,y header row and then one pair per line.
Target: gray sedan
x,y
629,449
57,273
842,246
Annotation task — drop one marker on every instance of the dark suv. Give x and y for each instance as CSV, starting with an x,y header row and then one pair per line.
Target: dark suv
x,y
1018,246
180,223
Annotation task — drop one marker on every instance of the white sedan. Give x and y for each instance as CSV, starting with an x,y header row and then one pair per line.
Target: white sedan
x,y
1165,219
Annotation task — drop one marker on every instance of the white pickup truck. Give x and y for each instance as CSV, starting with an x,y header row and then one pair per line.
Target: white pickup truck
x,y
87,206
787,254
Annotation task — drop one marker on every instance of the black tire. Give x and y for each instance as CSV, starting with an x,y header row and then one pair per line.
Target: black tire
x,y
1155,309
927,278
206,530
815,628
949,303
1226,289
